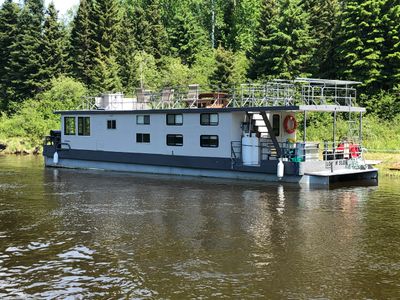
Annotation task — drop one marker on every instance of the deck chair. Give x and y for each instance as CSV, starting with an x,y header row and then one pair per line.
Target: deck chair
x,y
193,95
167,96
143,96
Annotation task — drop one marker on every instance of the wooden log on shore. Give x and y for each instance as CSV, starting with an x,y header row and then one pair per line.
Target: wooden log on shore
x,y
395,167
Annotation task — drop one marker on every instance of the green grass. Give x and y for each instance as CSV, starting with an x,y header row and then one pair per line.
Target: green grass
x,y
388,160
378,135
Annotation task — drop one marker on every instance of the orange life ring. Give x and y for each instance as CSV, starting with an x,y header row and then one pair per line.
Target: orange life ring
x,y
290,119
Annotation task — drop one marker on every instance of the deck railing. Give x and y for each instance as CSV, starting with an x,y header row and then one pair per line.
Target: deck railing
x,y
272,93
302,151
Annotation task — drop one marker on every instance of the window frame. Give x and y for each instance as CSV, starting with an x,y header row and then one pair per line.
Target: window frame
x,y
209,123
175,136
83,130
65,125
209,145
111,124
174,123
276,124
145,118
141,138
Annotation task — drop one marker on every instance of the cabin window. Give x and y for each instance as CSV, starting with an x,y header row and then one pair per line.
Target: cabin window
x,y
174,119
142,137
276,124
111,124
143,119
209,141
84,126
69,126
209,119
174,139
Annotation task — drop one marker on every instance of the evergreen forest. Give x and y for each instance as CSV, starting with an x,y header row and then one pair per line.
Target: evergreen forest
x,y
49,63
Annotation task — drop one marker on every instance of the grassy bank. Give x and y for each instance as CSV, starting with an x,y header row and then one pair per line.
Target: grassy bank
x,y
388,160
18,145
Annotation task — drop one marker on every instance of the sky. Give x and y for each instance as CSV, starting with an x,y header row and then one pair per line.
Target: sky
x,y
61,5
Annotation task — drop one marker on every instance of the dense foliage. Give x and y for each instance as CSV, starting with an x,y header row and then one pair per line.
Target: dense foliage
x,y
118,45
35,117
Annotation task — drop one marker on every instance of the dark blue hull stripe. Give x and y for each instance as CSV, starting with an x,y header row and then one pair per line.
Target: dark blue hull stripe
x,y
196,162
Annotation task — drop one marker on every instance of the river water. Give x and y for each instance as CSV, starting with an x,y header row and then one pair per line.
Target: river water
x,y
69,234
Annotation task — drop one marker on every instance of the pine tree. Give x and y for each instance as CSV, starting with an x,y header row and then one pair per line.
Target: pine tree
x,y
54,46
108,15
186,37
25,64
8,28
224,66
107,36
127,50
324,16
258,54
286,47
230,68
227,24
141,30
391,50
241,21
83,43
150,33
360,43
106,75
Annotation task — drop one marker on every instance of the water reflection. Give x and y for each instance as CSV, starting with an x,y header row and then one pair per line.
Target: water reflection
x,y
85,234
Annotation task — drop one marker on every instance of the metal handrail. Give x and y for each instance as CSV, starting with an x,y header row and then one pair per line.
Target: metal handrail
x,y
64,144
236,155
272,93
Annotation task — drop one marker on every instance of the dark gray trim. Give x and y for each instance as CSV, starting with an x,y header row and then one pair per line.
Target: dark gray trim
x,y
142,158
196,162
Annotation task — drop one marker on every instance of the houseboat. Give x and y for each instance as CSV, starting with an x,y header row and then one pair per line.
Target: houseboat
x,y
251,132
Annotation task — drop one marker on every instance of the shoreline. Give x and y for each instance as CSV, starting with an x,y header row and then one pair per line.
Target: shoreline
x,y
388,160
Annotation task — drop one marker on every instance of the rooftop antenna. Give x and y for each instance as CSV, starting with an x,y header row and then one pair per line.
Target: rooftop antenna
x,y
213,23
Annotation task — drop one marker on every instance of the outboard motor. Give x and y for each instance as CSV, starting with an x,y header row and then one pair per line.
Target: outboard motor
x,y
55,138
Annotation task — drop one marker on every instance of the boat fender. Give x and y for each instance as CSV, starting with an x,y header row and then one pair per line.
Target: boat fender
x,y
55,158
280,169
292,121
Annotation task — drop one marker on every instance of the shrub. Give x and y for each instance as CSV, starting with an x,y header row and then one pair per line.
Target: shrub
x,y
35,117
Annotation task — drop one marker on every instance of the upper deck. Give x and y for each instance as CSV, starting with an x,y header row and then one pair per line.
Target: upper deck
x,y
302,94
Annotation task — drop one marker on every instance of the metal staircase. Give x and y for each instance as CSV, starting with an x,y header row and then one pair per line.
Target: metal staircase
x,y
265,138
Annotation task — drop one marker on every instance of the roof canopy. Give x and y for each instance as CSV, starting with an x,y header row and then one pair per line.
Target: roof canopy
x,y
327,81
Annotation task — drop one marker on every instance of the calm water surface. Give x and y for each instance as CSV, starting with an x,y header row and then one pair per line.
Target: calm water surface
x,y
91,234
